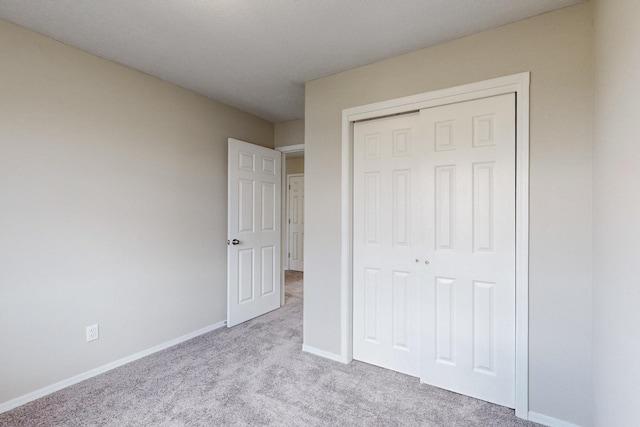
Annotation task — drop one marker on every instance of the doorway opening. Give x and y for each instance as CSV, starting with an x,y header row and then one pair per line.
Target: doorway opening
x,y
292,217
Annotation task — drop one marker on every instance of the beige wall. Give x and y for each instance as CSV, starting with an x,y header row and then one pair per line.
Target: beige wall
x,y
616,214
295,165
557,49
112,210
289,133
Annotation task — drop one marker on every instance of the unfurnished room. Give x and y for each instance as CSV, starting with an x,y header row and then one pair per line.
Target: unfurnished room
x,y
319,213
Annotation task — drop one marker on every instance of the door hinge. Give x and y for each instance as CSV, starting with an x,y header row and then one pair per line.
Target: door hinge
x,y
289,220
289,186
289,254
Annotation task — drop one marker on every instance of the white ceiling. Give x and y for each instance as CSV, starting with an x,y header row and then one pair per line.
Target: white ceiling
x,y
256,55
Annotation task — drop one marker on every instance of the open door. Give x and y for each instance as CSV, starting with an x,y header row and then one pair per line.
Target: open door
x,y
253,254
295,221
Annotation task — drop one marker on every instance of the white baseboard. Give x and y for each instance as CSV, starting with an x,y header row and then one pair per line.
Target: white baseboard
x,y
14,403
549,421
322,353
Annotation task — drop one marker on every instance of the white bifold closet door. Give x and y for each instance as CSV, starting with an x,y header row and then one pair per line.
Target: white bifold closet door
x,y
388,239
434,246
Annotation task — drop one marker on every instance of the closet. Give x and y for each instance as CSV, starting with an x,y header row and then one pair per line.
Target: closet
x,y
434,245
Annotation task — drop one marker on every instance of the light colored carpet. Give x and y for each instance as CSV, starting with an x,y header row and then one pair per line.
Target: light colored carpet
x,y
255,374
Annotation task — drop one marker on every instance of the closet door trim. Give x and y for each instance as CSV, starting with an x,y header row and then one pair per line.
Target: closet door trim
x,y
518,84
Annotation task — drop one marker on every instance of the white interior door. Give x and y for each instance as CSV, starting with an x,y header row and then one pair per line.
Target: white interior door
x,y
434,246
469,304
387,240
253,255
295,221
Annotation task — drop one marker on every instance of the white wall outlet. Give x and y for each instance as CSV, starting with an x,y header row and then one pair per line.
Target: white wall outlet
x,y
92,333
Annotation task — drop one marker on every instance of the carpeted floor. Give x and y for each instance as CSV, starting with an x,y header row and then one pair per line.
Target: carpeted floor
x,y
252,375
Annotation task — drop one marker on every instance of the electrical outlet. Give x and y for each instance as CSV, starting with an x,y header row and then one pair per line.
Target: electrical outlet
x,y
92,333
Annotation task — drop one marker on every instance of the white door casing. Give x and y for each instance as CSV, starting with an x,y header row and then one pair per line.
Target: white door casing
x,y
468,306
386,282
253,255
295,221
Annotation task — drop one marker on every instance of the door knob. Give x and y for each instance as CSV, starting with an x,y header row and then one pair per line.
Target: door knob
x,y
235,241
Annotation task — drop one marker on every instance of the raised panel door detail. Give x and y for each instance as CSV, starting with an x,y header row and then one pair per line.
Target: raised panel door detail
x,y
401,140
483,130
246,162
445,321
371,285
245,276
268,166
371,207
246,197
483,327
268,260
268,206
297,246
445,135
400,310
445,207
483,206
297,210
401,207
372,147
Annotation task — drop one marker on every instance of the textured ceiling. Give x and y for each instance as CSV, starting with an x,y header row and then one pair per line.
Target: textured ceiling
x,y
256,55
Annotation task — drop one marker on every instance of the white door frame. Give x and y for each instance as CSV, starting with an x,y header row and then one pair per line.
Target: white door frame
x,y
287,262
285,150
516,83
